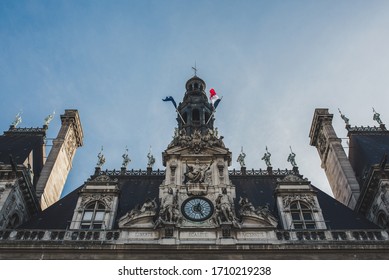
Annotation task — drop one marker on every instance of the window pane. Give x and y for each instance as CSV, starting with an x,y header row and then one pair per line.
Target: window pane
x,y
307,216
296,216
101,206
303,206
97,225
85,226
87,216
99,216
310,225
298,226
294,206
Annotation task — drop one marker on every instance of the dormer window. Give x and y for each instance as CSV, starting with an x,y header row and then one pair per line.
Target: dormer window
x,y
93,216
302,216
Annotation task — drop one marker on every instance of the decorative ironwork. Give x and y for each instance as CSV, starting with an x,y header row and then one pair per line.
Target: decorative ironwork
x,y
366,129
260,172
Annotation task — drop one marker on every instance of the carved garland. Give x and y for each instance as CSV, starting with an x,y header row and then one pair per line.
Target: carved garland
x,y
287,200
106,199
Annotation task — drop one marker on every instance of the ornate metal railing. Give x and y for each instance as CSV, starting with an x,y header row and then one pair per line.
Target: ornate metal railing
x,y
233,172
260,172
121,236
133,172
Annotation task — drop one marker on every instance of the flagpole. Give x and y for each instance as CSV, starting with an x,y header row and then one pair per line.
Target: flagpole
x,y
180,116
214,110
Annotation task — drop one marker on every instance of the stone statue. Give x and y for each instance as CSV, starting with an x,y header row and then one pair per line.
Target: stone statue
x,y
376,117
169,207
18,120
126,159
291,158
224,207
49,118
101,158
346,120
241,158
151,159
148,206
196,173
266,158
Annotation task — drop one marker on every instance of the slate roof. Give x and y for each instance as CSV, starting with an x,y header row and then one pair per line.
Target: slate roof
x,y
259,189
19,143
367,150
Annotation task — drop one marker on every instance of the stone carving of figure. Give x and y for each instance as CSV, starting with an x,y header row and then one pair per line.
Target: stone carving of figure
x,y
224,207
149,206
346,120
18,120
126,159
151,159
101,158
169,207
246,206
196,173
291,158
241,158
266,158
376,117
49,118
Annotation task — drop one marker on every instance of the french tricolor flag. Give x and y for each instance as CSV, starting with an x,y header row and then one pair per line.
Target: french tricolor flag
x,y
214,98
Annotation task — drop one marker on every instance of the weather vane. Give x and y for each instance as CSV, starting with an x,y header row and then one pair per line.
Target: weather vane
x,y
195,69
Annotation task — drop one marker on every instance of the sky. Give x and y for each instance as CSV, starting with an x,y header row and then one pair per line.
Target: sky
x,y
273,62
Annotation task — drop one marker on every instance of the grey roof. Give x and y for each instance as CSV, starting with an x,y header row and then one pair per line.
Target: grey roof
x,y
135,189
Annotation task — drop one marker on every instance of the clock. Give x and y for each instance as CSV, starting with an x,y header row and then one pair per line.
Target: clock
x,y
197,209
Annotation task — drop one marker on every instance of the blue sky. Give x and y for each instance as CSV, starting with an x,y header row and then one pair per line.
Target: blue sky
x,y
273,62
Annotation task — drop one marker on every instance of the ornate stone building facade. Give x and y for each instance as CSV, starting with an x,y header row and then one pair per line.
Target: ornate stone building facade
x,y
197,208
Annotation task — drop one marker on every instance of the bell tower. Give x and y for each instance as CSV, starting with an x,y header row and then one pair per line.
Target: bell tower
x,y
197,193
195,112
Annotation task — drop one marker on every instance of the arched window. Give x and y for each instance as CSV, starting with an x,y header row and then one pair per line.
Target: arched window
x,y
302,216
196,116
93,216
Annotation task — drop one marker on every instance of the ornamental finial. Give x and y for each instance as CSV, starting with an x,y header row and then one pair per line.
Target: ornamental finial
x,y
49,118
18,119
266,158
126,158
241,158
291,158
101,158
151,159
346,120
376,117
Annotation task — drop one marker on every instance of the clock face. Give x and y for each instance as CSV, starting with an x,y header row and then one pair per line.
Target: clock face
x,y
197,209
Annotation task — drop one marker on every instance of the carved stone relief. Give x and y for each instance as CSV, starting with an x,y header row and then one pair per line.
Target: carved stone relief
x,y
287,200
142,216
87,198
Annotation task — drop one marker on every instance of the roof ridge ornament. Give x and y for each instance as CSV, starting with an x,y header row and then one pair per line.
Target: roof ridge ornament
x,y
126,158
17,120
376,117
151,159
266,158
241,158
101,158
291,158
49,118
346,120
